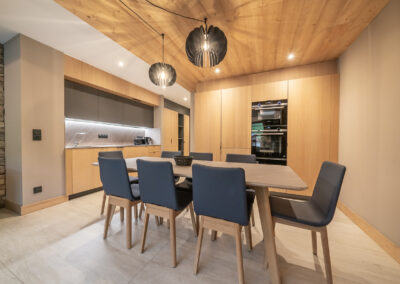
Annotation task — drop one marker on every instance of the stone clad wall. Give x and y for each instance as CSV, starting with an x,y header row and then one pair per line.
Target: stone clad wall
x,y
2,143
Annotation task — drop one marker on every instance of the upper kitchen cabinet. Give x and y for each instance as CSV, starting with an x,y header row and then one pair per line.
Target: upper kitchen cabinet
x,y
236,118
269,91
312,125
170,130
207,122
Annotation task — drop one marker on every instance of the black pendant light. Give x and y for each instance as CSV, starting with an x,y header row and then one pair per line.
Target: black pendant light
x,y
206,47
161,73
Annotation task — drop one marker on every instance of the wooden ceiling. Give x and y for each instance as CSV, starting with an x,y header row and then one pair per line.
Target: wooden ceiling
x,y
260,33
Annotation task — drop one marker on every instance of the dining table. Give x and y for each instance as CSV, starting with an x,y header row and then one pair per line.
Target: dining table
x,y
259,177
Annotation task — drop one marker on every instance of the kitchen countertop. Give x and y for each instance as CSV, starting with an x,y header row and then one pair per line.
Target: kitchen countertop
x,y
107,146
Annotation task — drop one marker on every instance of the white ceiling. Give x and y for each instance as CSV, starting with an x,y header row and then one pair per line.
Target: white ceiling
x,y
51,24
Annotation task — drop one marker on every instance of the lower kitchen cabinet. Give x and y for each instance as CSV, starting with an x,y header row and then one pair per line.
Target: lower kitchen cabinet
x,y
81,175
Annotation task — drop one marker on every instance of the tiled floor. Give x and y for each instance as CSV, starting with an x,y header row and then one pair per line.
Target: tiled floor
x,y
64,244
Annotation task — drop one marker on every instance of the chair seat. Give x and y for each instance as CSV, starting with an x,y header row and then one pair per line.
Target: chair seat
x,y
299,211
186,185
290,196
135,191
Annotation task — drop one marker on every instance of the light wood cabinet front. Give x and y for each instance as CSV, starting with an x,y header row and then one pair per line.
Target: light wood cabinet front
x,y
170,130
207,123
269,91
186,134
312,125
236,118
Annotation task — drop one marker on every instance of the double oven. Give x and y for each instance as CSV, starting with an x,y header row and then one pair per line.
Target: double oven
x,y
269,132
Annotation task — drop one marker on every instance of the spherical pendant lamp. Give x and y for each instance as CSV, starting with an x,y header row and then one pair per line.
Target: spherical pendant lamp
x,y
162,74
206,47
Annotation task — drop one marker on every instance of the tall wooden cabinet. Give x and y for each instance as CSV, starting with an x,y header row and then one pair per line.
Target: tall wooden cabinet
x,y
186,135
269,91
313,111
170,130
207,123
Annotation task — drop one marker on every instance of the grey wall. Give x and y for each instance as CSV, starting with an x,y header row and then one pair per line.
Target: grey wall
x,y
369,129
83,102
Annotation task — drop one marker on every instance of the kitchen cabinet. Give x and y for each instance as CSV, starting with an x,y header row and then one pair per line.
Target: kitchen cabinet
x,y
207,123
269,91
313,108
186,135
81,175
236,118
170,130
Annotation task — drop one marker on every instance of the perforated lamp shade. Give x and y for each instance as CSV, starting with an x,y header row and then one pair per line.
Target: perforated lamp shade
x,y
162,74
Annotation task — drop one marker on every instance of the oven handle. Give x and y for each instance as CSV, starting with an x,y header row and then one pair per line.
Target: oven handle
x,y
268,134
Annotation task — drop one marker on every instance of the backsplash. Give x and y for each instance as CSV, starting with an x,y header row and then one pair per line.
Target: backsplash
x,y
80,133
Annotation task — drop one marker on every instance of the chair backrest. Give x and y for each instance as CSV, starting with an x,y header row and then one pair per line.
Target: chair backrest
x,y
156,183
201,156
220,193
170,154
238,158
111,154
327,189
114,176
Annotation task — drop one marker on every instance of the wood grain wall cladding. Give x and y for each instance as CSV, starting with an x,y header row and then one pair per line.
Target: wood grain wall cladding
x,y
2,137
260,33
80,72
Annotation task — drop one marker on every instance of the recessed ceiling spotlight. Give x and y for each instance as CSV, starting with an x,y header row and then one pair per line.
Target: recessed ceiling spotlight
x,y
290,56
185,98
217,70
121,64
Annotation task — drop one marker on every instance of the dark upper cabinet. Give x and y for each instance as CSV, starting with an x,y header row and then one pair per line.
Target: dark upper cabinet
x,y
83,102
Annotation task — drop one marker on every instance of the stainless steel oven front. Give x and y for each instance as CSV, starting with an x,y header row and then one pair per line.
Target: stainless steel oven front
x,y
269,145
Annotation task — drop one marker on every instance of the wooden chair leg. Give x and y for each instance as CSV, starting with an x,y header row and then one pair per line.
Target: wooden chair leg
x,y
172,235
253,222
129,227
141,210
146,223
121,213
198,247
249,241
161,220
107,221
327,257
197,222
135,212
239,257
103,203
314,242
213,235
193,219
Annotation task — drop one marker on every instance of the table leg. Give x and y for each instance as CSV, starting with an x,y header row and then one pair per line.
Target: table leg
x,y
264,208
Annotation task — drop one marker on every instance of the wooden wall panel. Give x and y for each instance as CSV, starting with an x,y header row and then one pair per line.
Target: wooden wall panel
x,y
269,91
312,125
207,123
186,133
86,74
170,130
236,118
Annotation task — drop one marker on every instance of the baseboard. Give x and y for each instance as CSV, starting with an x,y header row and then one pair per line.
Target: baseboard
x,y
29,208
387,245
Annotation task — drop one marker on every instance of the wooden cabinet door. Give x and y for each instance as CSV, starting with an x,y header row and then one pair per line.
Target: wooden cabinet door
x,y
313,108
269,91
207,122
236,118
170,130
186,134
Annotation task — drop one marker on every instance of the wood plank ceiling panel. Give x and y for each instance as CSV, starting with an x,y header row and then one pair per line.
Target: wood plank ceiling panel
x,y
260,33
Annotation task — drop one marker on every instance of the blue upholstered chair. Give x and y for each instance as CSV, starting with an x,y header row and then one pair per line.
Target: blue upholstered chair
x,y
159,194
201,156
170,154
239,158
120,192
313,213
132,179
211,185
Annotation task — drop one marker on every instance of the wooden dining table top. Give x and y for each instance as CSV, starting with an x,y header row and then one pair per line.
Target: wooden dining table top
x,y
257,175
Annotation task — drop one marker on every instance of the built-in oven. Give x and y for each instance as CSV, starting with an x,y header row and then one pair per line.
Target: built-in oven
x,y
270,112
269,143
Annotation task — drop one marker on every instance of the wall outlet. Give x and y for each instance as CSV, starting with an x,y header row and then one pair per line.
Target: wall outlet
x,y
36,134
37,189
102,136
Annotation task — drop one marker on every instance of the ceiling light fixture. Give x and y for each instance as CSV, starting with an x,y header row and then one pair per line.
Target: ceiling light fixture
x,y
290,56
160,73
121,64
205,46
217,70
185,98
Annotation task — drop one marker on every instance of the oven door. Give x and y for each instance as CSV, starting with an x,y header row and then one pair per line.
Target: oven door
x,y
270,147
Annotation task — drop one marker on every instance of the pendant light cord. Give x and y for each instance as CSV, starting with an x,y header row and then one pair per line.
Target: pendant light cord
x,y
175,13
